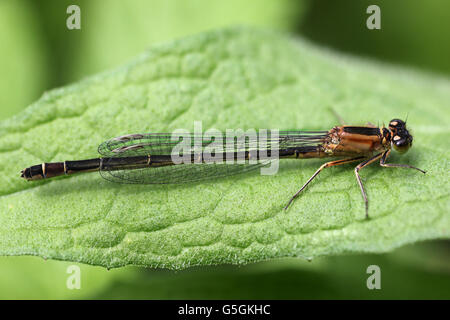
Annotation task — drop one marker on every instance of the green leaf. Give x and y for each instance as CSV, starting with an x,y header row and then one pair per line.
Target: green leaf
x,y
234,78
343,277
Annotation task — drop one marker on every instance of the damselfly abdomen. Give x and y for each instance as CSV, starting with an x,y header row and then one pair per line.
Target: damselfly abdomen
x,y
157,158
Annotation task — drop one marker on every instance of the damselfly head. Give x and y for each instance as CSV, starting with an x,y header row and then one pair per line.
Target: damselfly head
x,y
401,138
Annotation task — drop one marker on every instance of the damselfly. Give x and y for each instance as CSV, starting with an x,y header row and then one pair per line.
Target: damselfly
x,y
149,158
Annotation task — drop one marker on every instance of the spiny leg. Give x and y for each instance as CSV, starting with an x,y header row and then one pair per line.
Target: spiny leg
x,y
395,165
325,165
358,178
341,121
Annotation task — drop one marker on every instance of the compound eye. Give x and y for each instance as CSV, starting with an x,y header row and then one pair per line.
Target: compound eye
x,y
393,124
396,123
401,144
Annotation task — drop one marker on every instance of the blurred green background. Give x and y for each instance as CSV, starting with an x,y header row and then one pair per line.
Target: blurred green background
x,y
39,53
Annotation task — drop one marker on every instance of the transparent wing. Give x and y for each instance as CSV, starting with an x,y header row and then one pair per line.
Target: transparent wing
x,y
182,173
164,143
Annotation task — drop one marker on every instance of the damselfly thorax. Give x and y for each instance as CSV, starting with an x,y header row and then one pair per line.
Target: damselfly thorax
x,y
150,158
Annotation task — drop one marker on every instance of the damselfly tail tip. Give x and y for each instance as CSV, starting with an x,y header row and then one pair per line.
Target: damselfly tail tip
x,y
25,174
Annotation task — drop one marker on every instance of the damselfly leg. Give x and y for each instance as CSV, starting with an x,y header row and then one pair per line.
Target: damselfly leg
x,y
325,165
342,121
358,178
382,156
338,117
395,165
